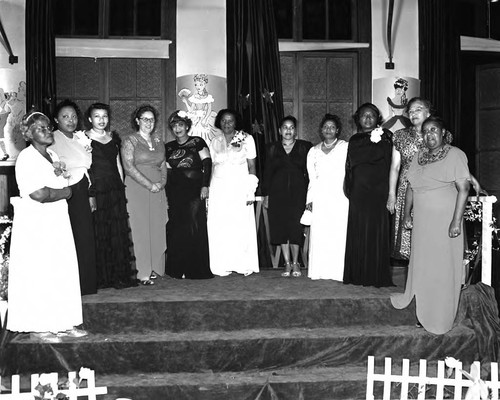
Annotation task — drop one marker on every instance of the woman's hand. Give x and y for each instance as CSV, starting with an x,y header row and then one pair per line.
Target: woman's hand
x,y
155,188
408,222
250,202
455,229
309,206
204,193
391,203
93,204
265,202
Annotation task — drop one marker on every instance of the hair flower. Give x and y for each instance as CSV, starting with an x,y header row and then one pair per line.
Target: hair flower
x,y
376,135
182,114
238,139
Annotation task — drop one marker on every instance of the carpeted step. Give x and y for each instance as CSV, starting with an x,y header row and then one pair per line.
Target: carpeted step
x,y
255,349
230,315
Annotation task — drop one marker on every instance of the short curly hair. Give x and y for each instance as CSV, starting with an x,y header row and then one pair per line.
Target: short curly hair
x,y
29,120
137,114
96,106
426,103
230,111
178,116
335,119
372,107
72,104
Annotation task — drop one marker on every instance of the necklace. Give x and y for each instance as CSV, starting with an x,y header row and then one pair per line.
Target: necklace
x,y
329,146
425,157
289,144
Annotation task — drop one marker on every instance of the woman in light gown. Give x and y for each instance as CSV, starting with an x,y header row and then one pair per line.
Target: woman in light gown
x,y
44,287
232,235
326,200
438,186
143,155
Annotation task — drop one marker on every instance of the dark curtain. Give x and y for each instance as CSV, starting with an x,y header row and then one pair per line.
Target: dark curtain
x,y
253,69
40,56
440,60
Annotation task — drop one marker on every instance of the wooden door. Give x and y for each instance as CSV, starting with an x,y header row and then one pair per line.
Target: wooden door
x,y
487,129
319,83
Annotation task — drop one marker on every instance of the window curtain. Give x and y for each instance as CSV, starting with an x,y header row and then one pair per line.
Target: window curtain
x,y
253,66
40,56
440,60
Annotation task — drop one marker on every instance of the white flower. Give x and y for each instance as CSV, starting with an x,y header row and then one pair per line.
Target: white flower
x,y
182,114
84,141
84,373
376,135
452,363
44,379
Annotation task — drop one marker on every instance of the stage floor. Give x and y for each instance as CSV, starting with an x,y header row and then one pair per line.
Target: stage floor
x,y
266,285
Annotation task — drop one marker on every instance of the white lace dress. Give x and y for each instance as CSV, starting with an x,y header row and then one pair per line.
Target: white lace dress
x,y
232,235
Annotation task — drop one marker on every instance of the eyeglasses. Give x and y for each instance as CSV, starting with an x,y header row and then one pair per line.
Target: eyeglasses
x,y
415,110
147,120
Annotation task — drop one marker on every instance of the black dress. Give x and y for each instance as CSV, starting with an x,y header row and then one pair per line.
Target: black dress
x,y
112,232
367,256
187,238
285,182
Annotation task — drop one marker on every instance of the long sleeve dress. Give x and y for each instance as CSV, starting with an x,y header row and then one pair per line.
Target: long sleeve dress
x,y
187,238
232,235
78,158
44,287
330,208
144,166
111,227
436,260
367,255
285,182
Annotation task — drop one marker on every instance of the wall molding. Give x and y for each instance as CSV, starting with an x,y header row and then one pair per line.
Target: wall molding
x,y
469,43
318,46
112,48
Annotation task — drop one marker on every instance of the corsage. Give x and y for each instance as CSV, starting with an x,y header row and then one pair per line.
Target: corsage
x,y
376,135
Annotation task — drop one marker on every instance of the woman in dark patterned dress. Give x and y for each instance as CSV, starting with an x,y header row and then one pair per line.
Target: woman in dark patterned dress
x,y
112,233
285,185
367,256
190,166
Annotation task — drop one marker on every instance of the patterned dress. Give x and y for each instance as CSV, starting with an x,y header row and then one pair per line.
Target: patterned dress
x,y
408,143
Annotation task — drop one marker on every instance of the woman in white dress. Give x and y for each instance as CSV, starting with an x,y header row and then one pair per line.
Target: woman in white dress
x,y
232,235
326,200
44,287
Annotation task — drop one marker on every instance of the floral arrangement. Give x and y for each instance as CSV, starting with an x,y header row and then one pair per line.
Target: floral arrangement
x,y
84,141
4,258
60,169
376,134
44,390
238,138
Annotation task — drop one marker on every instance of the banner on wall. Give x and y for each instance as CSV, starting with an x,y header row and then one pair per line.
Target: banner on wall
x,y
12,109
391,96
201,96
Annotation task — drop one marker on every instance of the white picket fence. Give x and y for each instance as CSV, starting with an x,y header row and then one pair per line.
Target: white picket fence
x,y
457,383
73,392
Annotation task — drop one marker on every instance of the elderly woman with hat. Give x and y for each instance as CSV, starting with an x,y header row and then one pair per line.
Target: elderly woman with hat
x,y
189,167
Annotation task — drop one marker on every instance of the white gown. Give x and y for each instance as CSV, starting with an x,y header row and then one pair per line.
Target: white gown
x,y
329,212
44,286
232,235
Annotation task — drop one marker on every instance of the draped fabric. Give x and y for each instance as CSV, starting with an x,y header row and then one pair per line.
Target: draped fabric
x,y
253,65
40,56
439,43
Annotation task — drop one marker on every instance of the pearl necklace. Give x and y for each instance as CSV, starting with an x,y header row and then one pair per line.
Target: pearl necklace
x,y
289,144
329,146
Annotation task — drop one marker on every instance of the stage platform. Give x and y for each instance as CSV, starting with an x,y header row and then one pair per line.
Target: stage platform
x,y
250,338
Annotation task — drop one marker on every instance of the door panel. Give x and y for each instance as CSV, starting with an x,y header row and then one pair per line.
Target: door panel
x,y
317,83
488,134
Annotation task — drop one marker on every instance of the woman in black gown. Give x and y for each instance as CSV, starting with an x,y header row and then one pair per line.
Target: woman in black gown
x,y
189,166
112,232
367,257
285,186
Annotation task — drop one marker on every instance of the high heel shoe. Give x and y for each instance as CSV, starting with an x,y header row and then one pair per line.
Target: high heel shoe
x,y
296,270
288,269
